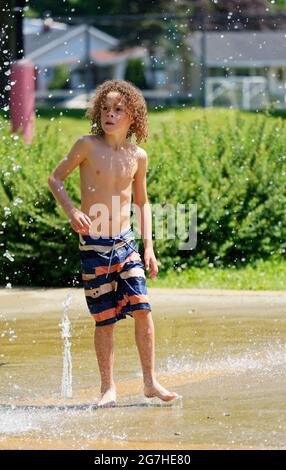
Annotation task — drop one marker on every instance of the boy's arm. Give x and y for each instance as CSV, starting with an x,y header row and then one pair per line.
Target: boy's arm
x,y
74,158
143,210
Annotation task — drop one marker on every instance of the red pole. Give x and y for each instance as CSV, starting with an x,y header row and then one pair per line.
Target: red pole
x,y
22,98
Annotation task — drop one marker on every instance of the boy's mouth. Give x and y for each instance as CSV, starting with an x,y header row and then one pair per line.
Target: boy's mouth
x,y
110,123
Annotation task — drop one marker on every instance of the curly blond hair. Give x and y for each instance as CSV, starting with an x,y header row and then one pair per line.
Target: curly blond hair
x,y
135,103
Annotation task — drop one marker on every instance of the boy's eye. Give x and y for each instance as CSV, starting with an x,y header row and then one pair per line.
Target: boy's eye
x,y
117,109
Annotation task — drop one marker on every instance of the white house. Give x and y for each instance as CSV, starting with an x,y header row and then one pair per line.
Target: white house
x,y
249,63
49,44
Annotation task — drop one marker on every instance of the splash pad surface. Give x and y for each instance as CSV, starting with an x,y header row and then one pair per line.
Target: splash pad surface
x,y
222,351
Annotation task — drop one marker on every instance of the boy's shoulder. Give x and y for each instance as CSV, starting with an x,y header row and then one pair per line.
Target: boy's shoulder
x,y
140,152
87,138
86,142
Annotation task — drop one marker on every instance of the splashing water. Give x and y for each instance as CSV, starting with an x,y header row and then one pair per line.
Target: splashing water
x,y
66,390
270,355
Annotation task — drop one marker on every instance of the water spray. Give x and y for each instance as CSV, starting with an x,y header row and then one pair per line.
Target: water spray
x,y
65,325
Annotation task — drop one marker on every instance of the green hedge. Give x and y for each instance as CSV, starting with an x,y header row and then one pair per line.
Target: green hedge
x,y
36,233
231,164
234,169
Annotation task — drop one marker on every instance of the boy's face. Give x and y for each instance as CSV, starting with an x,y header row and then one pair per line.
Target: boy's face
x,y
114,116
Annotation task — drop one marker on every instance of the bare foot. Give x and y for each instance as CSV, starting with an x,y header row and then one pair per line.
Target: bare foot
x,y
108,398
156,390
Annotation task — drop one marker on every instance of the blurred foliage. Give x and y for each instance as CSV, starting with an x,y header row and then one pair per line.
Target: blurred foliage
x,y
135,73
231,164
101,7
131,7
276,5
60,79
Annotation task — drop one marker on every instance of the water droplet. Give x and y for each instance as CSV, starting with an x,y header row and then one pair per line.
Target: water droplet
x,y
8,255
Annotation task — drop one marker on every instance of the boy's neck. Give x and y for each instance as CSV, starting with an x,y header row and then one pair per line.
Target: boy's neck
x,y
115,141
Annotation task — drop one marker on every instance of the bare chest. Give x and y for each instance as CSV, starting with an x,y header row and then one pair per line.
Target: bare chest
x,y
110,168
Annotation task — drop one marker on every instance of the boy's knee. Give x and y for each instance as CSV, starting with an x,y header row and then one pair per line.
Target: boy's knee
x,y
141,314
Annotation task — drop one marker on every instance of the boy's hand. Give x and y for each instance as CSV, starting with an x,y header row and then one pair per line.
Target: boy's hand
x,y
150,261
79,221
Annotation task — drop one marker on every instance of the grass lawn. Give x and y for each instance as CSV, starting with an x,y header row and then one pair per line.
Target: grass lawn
x,y
265,275
71,124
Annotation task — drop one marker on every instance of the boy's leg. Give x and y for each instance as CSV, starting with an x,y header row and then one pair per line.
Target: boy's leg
x,y
104,348
145,341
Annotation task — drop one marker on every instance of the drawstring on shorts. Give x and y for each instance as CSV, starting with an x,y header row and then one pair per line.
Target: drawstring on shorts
x,y
125,242
110,259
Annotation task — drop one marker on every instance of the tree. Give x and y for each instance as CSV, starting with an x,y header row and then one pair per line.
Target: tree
x,y
101,7
135,73
60,79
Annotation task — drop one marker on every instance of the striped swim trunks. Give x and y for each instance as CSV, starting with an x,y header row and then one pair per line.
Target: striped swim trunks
x,y
113,276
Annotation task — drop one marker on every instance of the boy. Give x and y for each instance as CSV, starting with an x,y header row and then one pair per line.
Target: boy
x,y
111,169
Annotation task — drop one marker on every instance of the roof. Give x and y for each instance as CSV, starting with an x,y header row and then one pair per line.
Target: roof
x,y
34,25
39,43
65,46
241,48
34,41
